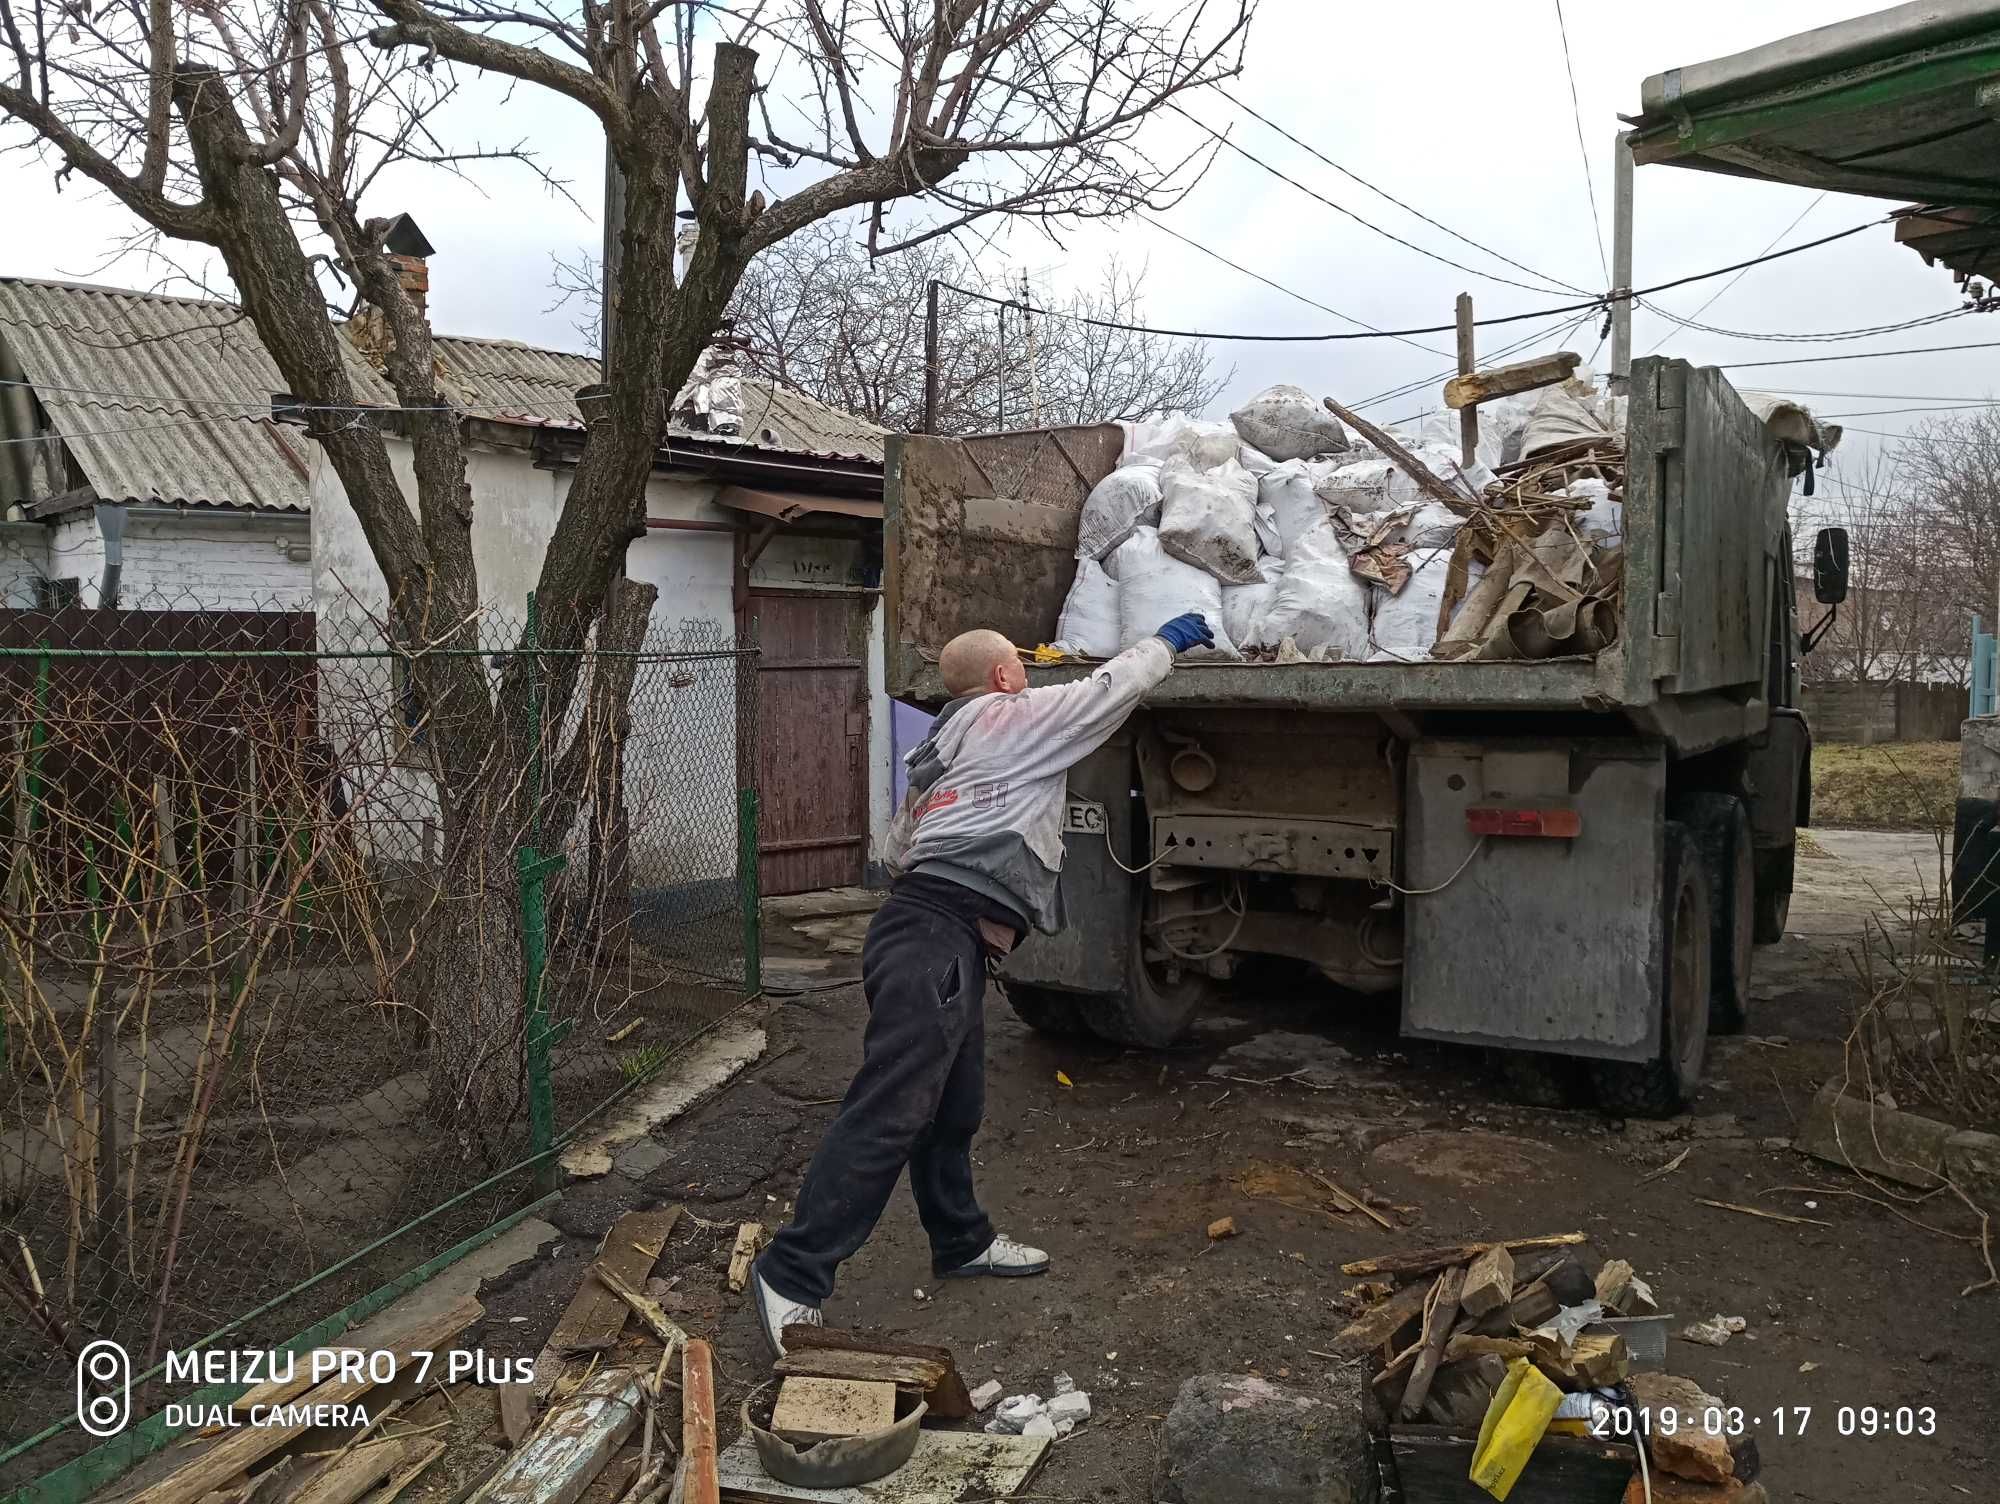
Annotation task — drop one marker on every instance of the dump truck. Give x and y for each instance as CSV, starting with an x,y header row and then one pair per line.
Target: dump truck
x,y
1566,860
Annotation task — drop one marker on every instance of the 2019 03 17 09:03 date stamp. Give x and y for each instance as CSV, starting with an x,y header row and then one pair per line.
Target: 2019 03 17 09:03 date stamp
x,y
1732,1421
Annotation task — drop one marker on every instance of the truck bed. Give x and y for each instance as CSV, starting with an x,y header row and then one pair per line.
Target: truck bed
x,y
981,532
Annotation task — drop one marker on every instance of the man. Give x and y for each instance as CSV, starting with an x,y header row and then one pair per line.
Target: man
x,y
978,844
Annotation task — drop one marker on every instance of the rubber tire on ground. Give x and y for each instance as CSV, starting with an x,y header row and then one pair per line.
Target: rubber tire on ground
x,y
1148,1014
1720,826
1774,891
1047,1010
1536,1080
1664,1085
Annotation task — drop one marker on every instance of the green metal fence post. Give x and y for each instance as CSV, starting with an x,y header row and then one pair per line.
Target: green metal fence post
x,y
748,892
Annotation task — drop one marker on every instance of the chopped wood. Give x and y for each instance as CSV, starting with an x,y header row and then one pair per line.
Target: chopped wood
x,y
748,1236
929,1373
1438,1318
1463,1392
1472,1345
1534,1304
648,1311
571,1447
354,1473
1222,1227
596,1314
815,1410
1424,1261
1752,1211
1619,1289
1475,387
1489,1282
517,1411
1377,1325
408,1473
701,1484
242,1449
1595,1359
1347,1201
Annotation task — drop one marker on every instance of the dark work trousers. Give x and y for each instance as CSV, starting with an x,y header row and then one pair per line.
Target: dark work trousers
x,y
917,1100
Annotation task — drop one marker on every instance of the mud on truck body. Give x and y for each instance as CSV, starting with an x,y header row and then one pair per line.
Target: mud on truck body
x,y
1563,858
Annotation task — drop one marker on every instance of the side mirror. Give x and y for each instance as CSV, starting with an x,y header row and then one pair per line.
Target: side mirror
x,y
1830,566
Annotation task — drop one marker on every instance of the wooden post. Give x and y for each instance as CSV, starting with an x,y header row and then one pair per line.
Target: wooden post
x,y
931,358
243,866
170,866
1621,265
1468,417
701,1485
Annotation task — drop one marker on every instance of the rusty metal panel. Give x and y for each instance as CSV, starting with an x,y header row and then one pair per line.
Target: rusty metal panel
x,y
1535,943
812,718
1249,843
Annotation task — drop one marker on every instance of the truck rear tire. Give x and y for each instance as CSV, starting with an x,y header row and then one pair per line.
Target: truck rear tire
x,y
1151,1012
1720,826
1046,1010
1774,891
1662,1086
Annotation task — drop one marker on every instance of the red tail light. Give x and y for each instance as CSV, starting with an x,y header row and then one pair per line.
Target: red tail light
x,y
1565,824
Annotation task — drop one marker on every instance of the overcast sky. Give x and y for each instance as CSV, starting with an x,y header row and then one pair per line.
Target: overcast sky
x,y
1462,109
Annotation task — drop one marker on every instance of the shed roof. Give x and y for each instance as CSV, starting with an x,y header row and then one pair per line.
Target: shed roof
x,y
168,399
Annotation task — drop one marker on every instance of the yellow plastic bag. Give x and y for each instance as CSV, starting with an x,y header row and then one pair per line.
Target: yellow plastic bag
x,y
1513,1427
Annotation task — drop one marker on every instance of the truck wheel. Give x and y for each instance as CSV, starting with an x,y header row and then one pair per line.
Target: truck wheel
x,y
1774,892
1720,826
1045,1010
1662,1086
1151,1012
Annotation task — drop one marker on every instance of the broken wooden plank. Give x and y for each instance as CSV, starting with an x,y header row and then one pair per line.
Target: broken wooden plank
x,y
946,1466
1347,1201
1438,1318
1472,1345
243,1449
408,1473
1489,1282
748,1236
815,1410
354,1473
930,1373
1475,387
1434,1464
596,1315
1422,1261
573,1444
700,1484
1377,1325
1533,1304
517,1411
644,1307
1596,1358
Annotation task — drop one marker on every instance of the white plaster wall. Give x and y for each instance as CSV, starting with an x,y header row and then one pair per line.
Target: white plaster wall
x,y
24,560
76,551
216,563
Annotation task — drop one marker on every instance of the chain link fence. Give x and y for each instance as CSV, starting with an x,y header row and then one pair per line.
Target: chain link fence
x,y
314,950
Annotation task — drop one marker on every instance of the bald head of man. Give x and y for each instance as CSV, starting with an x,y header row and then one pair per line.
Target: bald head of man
x,y
981,662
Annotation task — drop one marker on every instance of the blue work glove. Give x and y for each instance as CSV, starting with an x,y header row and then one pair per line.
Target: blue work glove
x,y
1187,631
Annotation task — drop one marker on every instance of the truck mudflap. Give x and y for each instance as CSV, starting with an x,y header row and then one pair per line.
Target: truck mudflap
x,y
1544,932
1096,898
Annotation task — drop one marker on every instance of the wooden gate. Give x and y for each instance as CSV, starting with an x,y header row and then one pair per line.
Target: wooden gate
x,y
812,738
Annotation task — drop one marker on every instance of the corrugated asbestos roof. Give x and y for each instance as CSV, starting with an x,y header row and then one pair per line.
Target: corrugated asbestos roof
x,y
165,399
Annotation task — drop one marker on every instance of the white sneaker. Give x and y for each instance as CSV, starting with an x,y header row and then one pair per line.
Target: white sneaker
x,y
1003,1258
775,1313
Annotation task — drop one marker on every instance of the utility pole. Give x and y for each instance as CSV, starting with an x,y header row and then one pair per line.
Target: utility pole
x,y
931,357
1468,416
1034,365
1621,265
1000,370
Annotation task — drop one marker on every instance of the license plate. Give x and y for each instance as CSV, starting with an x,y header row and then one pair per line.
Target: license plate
x,y
1084,817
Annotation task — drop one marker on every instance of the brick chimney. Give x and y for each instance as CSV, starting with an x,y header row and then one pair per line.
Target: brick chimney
x,y
409,253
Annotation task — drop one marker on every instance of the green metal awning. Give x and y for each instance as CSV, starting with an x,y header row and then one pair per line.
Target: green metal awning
x,y
1902,104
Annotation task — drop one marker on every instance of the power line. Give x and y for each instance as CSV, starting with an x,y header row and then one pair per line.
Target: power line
x,y
1576,114
1306,146
1882,412
1721,291
1812,360
1828,336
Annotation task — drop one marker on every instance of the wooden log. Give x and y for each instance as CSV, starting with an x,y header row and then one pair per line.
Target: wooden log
x,y
1472,1345
1594,1360
748,1236
1408,463
1434,1464
581,1435
930,1373
1489,1282
1443,1311
1470,389
700,1485
1421,1261
1378,1324
1534,1304
1468,357
241,1450
408,1473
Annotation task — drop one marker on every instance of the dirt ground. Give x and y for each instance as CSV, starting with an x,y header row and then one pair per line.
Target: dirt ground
x,y
1119,1174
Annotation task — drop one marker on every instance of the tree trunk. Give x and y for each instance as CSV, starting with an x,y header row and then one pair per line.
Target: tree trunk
x,y
472,969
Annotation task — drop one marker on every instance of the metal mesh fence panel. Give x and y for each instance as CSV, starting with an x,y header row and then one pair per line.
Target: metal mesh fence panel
x,y
312,949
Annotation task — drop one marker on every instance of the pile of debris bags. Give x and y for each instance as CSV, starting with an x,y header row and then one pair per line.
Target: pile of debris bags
x,y
1512,1363
1301,543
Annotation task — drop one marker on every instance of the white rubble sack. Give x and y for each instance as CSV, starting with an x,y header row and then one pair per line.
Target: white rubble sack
x,y
1378,484
1285,423
1320,603
1500,423
1127,497
1246,607
1603,521
1289,492
1177,436
1208,518
1088,626
1573,410
1154,587
1404,626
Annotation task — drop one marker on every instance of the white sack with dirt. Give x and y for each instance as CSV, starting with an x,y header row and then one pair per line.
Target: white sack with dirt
x,y
1127,497
1379,484
1177,436
1404,626
1245,608
1287,424
1154,587
1288,491
1602,523
1088,626
1320,604
1208,518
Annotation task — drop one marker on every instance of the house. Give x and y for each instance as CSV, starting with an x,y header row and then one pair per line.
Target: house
x,y
149,470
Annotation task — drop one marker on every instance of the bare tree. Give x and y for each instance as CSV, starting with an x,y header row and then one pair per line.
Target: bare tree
x,y
258,129
1951,468
818,314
